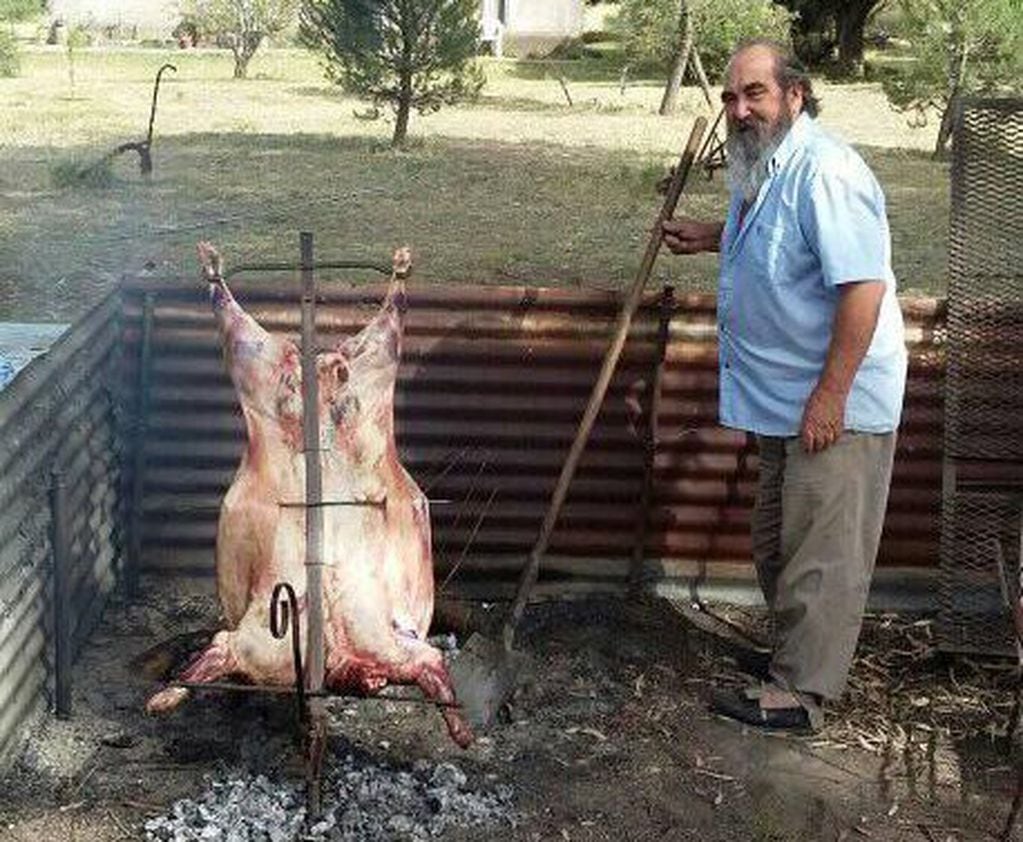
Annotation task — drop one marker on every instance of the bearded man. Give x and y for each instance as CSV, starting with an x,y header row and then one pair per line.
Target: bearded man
x,y
813,362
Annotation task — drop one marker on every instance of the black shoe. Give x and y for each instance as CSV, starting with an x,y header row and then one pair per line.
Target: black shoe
x,y
737,706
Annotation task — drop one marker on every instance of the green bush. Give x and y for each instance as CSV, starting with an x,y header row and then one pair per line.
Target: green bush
x,y
10,63
70,173
649,29
571,49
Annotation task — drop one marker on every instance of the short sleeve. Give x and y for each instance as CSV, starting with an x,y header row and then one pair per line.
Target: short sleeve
x,y
844,222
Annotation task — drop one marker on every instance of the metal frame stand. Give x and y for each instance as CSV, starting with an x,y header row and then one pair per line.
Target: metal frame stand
x,y
311,695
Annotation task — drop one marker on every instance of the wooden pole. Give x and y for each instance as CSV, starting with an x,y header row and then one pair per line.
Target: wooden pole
x,y
532,567
650,437
314,660
138,455
62,619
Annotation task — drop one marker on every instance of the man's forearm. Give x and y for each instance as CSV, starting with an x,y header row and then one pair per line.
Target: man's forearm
x,y
713,240
855,320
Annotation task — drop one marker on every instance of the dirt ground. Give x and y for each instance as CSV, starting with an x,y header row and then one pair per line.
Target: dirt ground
x,y
609,740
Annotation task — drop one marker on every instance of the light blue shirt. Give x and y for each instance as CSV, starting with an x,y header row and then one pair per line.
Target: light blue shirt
x,y
818,222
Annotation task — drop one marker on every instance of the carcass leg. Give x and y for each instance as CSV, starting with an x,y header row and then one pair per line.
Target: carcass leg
x,y
215,661
423,666
432,677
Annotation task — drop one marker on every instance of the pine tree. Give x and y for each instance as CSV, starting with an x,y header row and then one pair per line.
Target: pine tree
x,y
408,54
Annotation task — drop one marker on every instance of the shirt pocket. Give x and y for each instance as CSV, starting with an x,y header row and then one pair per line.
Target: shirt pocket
x,y
775,252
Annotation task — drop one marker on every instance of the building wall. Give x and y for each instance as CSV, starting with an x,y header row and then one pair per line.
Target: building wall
x,y
561,18
152,17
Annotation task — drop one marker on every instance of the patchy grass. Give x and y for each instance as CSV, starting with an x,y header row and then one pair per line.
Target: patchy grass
x,y
70,173
515,188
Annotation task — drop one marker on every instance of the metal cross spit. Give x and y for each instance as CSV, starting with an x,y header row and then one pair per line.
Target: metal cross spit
x,y
309,691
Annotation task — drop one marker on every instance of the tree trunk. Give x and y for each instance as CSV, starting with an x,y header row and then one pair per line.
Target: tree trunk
x,y
669,103
958,53
945,129
811,31
404,110
701,77
850,20
244,48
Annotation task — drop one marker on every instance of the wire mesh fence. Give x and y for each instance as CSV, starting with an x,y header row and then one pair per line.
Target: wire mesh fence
x,y
983,447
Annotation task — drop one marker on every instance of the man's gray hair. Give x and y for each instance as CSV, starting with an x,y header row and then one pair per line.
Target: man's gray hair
x,y
789,71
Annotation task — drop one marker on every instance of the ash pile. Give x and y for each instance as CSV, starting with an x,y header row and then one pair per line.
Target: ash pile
x,y
362,800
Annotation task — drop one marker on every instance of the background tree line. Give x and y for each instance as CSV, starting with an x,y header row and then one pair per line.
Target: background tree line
x,y
418,55
948,48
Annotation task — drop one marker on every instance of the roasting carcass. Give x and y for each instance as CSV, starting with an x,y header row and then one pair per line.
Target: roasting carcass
x,y
378,574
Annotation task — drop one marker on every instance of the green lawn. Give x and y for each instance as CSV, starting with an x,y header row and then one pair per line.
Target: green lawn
x,y
517,188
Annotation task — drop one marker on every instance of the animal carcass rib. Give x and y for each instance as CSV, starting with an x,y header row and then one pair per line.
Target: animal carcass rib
x,y
378,573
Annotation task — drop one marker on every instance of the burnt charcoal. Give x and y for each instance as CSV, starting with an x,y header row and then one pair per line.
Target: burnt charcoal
x,y
363,800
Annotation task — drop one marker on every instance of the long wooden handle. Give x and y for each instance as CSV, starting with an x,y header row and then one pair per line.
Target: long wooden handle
x,y
629,307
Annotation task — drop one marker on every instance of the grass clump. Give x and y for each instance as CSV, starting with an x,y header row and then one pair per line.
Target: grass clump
x,y
71,173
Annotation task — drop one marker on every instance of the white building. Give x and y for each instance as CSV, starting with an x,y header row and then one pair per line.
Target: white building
x,y
149,18
524,23
527,22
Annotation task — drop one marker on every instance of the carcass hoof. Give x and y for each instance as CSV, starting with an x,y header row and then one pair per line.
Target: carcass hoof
x,y
166,700
458,729
463,736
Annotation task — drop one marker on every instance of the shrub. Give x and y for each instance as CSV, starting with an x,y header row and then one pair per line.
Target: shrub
x,y
70,173
10,64
960,48
409,55
649,29
721,24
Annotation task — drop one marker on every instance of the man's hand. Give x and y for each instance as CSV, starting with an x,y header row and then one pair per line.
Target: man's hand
x,y
690,236
859,303
823,419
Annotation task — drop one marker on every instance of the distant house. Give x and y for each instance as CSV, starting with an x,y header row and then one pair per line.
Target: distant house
x,y
530,24
140,18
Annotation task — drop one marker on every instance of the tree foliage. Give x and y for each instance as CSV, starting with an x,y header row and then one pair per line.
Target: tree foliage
x,y
10,63
650,29
242,25
822,27
13,11
19,10
960,47
407,54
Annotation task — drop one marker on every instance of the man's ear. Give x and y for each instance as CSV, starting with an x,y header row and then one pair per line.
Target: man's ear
x,y
795,100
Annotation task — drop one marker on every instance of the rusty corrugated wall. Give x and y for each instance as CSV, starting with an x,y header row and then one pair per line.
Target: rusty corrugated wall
x,y
491,388
58,413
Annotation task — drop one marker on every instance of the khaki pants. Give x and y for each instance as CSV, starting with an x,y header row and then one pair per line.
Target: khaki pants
x,y
816,528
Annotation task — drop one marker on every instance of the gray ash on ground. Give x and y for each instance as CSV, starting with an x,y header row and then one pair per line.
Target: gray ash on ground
x,y
363,800
617,693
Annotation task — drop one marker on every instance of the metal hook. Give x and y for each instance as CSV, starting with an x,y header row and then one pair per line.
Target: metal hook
x,y
281,611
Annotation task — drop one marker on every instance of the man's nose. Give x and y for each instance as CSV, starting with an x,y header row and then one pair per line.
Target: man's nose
x,y
741,110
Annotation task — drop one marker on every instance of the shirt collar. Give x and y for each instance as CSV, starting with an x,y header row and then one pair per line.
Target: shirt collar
x,y
793,140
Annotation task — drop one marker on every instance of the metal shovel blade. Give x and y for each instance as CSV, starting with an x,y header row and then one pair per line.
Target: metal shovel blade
x,y
485,674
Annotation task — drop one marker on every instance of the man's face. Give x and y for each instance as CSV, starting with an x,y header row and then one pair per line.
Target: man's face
x,y
759,114
753,99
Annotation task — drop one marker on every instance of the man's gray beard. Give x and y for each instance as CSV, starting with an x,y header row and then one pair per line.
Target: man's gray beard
x,y
749,153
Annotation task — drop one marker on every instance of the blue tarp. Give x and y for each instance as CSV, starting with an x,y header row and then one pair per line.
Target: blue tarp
x,y
22,342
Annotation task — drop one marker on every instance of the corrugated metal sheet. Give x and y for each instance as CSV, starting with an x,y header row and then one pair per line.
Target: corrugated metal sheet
x,y
491,388
60,413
